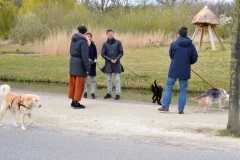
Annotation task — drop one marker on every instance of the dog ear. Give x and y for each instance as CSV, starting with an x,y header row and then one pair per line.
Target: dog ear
x,y
29,98
155,83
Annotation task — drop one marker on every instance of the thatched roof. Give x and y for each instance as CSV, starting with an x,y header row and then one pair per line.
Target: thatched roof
x,y
205,16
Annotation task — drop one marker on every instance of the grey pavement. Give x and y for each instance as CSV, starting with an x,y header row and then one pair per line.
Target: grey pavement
x,y
41,143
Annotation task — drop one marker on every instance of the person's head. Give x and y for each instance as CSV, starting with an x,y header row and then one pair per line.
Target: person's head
x,y
89,35
82,29
182,31
110,33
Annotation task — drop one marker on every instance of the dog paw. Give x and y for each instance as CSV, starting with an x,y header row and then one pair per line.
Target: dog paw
x,y
23,128
195,111
29,124
0,125
16,125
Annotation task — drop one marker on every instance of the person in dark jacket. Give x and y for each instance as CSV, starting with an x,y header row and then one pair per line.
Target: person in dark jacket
x,y
112,52
93,60
183,54
79,66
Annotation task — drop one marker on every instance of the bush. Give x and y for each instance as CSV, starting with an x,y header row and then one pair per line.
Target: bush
x,y
28,28
223,31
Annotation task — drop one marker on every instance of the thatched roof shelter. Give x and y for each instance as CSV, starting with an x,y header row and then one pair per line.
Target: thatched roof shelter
x,y
205,16
206,20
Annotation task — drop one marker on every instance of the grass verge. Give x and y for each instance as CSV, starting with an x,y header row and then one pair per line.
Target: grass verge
x,y
149,63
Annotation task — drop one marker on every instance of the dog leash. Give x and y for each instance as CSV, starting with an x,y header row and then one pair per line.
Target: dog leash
x,y
130,71
202,78
137,75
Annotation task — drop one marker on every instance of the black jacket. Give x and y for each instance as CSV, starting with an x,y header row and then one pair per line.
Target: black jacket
x,y
112,49
92,56
79,60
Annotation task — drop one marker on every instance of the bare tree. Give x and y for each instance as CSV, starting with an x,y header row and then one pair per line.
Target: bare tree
x,y
233,125
172,3
221,7
104,5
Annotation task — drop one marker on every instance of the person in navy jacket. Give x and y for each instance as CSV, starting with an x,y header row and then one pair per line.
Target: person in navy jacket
x,y
183,54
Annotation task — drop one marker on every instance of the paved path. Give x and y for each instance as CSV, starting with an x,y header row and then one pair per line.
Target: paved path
x,y
43,143
129,119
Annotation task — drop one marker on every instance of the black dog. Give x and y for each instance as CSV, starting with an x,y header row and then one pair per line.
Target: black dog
x,y
157,93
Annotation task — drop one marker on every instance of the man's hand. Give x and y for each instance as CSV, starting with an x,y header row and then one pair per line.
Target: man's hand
x,y
114,61
95,61
87,72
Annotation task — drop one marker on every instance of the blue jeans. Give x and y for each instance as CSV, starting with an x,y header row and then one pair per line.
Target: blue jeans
x,y
168,93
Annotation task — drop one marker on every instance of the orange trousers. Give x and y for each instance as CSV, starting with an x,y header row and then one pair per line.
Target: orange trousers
x,y
76,87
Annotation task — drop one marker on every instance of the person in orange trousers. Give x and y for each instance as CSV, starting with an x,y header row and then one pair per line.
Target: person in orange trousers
x,y
79,66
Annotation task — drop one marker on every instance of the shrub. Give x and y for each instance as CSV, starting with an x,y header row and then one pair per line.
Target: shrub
x,y
28,28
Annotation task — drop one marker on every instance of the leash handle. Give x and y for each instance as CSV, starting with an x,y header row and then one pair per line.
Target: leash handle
x,y
202,78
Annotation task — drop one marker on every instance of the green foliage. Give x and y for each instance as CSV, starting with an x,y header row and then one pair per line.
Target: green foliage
x,y
223,31
28,28
77,16
7,14
35,5
57,15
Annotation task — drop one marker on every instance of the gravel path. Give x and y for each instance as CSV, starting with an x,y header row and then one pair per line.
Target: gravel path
x,y
130,118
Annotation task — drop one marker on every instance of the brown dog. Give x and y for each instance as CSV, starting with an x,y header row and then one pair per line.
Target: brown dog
x,y
13,102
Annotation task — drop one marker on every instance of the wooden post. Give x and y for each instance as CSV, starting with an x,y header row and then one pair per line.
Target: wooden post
x,y
196,31
215,31
211,37
200,43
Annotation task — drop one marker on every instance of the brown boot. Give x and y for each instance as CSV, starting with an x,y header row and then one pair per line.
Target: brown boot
x,y
163,109
180,112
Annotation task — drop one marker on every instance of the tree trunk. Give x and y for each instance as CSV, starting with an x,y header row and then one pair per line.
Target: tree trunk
x,y
233,125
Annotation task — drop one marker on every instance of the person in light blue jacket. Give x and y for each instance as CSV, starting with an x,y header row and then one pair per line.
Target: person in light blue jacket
x,y
183,54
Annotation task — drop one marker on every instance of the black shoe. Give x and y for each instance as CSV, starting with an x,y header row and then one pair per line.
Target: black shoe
x,y
85,95
108,96
180,112
93,96
77,105
117,97
72,103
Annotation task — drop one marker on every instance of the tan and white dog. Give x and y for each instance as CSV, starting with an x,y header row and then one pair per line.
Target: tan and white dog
x,y
214,95
14,102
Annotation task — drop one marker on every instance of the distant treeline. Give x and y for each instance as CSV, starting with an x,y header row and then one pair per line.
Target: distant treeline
x,y
29,20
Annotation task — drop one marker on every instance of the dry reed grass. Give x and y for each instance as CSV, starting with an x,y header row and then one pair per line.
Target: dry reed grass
x,y
59,43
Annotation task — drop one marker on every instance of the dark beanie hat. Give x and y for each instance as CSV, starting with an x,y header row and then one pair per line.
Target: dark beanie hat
x,y
183,31
82,29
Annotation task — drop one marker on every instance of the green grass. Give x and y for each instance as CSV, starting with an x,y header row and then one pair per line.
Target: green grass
x,y
223,133
149,64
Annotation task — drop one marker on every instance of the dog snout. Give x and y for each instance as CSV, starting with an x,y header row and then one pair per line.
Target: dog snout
x,y
39,105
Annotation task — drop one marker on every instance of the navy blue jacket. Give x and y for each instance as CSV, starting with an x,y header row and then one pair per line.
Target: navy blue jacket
x,y
92,56
183,54
79,60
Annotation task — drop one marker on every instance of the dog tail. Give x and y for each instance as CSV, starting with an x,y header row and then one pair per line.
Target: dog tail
x,y
4,89
197,99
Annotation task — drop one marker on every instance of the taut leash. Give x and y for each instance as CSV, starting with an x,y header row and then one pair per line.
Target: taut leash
x,y
202,78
